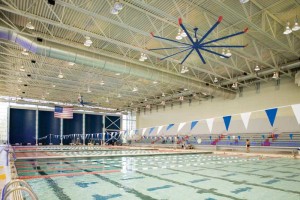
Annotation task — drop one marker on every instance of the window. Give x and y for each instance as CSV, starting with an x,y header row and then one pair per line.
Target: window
x,y
129,121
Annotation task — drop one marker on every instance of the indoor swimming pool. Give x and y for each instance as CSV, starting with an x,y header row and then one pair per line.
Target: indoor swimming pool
x,y
192,176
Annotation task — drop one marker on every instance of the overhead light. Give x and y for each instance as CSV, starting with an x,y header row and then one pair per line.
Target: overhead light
x,y
102,83
184,69
154,82
179,36
24,52
163,103
117,74
146,99
60,75
148,106
116,8
216,80
181,98
47,93
256,68
107,100
71,63
185,89
22,69
135,89
288,30
244,1
143,57
234,85
88,42
89,91
20,80
296,27
163,94
275,75
183,34
18,89
119,95
29,26
53,86
228,53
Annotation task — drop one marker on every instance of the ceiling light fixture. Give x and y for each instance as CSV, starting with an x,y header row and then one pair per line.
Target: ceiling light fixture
x,y
275,75
244,1
154,82
47,93
234,85
20,80
163,103
288,30
60,75
228,53
24,52
88,42
117,74
107,100
143,57
29,26
146,99
296,26
116,8
71,63
22,69
88,90
148,106
163,94
135,89
223,53
102,83
181,98
216,80
119,95
184,69
256,68
179,36
53,86
183,34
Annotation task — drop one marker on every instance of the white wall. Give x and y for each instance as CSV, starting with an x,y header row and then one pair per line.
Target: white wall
x,y
3,122
269,96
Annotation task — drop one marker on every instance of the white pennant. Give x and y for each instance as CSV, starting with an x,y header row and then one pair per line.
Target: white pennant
x,y
159,129
296,110
180,126
245,118
210,123
144,131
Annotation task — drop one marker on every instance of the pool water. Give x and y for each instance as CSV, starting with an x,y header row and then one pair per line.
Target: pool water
x,y
193,176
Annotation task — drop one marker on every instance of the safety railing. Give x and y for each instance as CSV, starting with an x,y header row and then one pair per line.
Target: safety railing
x,y
6,192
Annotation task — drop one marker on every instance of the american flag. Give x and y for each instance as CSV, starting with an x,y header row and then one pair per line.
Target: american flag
x,y
63,112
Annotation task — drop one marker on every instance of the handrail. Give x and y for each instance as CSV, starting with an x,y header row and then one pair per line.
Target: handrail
x,y
6,187
32,195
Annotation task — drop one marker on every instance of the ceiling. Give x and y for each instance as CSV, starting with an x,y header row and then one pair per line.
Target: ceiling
x,y
119,40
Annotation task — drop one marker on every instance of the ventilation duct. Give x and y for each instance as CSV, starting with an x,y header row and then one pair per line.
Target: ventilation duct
x,y
57,51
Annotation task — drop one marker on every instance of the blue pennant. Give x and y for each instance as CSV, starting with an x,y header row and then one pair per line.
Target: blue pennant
x,y
151,130
193,124
271,113
170,126
291,136
227,120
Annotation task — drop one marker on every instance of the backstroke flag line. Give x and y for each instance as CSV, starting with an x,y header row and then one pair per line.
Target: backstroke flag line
x,y
210,123
180,126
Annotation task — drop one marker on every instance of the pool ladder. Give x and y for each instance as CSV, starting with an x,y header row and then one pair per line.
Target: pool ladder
x,y
17,187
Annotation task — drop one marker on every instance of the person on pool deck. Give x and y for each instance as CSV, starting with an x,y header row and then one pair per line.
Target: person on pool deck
x,y
248,145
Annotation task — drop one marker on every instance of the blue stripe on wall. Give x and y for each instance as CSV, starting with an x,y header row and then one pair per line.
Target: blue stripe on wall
x,y
22,126
48,125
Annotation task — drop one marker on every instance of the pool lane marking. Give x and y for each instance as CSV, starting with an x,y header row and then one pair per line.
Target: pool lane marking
x,y
68,174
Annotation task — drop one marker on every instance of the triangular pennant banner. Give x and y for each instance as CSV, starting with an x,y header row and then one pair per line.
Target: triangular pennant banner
x,y
144,131
193,124
296,110
210,123
245,118
291,136
151,130
159,129
227,120
271,113
170,126
180,126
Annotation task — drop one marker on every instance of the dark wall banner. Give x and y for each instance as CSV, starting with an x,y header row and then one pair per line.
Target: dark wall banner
x,y
72,129
49,128
22,126
93,125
